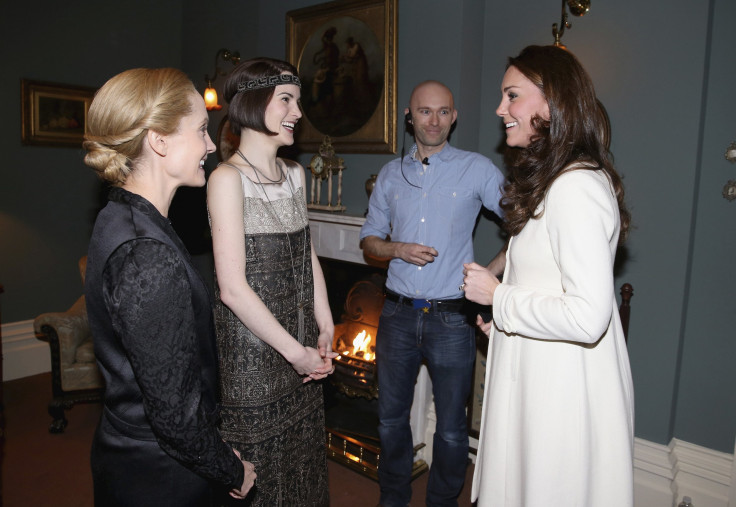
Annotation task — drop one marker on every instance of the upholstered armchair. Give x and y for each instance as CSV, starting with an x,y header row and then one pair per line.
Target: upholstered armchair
x,y
75,377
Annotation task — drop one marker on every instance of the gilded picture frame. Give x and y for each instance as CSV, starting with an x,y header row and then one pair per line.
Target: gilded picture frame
x,y
345,52
54,114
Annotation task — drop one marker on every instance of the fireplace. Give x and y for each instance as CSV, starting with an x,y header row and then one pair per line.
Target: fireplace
x,y
356,297
355,367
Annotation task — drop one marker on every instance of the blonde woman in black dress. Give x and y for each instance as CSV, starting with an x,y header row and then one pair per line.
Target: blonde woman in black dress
x,y
157,443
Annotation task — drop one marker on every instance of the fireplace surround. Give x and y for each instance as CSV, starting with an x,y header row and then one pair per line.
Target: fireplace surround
x,y
336,241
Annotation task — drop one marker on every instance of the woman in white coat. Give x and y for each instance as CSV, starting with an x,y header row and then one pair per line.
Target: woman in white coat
x,y
558,413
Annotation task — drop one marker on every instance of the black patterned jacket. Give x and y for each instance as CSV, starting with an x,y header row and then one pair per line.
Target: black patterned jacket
x,y
151,318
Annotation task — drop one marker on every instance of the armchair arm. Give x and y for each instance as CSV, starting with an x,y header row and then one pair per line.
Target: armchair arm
x,y
70,328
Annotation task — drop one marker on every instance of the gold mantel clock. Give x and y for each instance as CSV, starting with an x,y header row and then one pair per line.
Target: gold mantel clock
x,y
323,166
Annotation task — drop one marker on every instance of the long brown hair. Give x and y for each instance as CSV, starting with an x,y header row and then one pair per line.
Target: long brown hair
x,y
577,131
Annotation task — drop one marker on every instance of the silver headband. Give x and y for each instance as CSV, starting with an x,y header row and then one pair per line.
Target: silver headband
x,y
269,82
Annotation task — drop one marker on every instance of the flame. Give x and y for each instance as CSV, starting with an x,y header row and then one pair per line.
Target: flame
x,y
361,341
360,346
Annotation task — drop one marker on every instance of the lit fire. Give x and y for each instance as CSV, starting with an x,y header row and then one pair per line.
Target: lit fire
x,y
360,347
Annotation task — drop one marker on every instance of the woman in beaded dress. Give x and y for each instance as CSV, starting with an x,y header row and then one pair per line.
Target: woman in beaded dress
x,y
274,326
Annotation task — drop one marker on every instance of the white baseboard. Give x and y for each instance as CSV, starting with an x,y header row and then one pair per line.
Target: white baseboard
x,y
732,495
23,354
653,477
663,474
702,474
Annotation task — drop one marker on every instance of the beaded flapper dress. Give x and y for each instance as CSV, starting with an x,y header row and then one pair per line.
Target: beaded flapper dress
x,y
268,414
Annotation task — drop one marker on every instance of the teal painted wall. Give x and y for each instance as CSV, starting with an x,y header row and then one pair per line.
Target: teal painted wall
x,y
705,408
48,197
664,69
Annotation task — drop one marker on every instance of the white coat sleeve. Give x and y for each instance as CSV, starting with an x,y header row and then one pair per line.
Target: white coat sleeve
x,y
582,223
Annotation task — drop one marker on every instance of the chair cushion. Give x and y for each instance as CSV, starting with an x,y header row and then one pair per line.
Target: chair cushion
x,y
85,353
81,376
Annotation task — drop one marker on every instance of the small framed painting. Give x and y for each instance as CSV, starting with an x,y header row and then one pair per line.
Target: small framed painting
x,y
54,114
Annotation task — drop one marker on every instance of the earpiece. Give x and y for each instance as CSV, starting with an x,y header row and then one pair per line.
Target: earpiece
x,y
408,127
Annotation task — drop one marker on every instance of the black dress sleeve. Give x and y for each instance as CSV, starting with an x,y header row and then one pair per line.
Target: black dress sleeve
x,y
147,291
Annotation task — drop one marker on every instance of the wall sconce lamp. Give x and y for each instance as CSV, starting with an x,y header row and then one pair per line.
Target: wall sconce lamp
x,y
210,95
577,8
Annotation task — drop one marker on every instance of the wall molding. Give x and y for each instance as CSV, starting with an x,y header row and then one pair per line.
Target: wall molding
x,y
663,474
23,354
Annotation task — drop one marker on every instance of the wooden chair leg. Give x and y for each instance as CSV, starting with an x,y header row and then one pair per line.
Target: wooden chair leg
x,y
627,291
56,411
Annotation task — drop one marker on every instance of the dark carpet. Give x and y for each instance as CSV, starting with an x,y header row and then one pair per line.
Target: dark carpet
x,y
40,469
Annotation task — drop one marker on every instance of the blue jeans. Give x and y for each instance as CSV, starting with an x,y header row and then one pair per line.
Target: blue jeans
x,y
446,341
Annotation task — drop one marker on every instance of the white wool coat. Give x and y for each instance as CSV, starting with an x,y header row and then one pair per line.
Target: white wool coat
x,y
558,411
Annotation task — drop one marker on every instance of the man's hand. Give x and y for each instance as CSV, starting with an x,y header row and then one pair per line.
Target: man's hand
x,y
414,253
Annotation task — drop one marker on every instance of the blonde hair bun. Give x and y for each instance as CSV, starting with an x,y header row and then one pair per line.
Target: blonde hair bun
x,y
125,109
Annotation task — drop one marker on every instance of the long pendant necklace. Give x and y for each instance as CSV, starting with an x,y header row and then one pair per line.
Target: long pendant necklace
x,y
272,209
258,172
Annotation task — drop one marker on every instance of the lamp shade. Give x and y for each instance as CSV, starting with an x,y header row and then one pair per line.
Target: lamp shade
x,y
210,99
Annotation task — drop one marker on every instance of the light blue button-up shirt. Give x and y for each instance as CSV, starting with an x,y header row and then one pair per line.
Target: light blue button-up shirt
x,y
436,207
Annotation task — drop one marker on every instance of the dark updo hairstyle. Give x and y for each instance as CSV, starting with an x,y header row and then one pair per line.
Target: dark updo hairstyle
x,y
577,131
248,108
125,109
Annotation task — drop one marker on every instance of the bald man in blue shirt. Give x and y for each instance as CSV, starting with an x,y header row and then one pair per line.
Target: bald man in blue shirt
x,y
421,216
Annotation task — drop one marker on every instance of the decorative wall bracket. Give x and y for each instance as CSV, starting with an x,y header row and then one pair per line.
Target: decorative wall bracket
x,y
729,189
731,153
577,8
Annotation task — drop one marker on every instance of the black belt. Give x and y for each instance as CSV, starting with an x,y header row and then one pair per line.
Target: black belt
x,y
440,305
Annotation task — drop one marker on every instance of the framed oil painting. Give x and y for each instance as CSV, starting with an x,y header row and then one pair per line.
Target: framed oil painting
x,y
345,52
54,114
